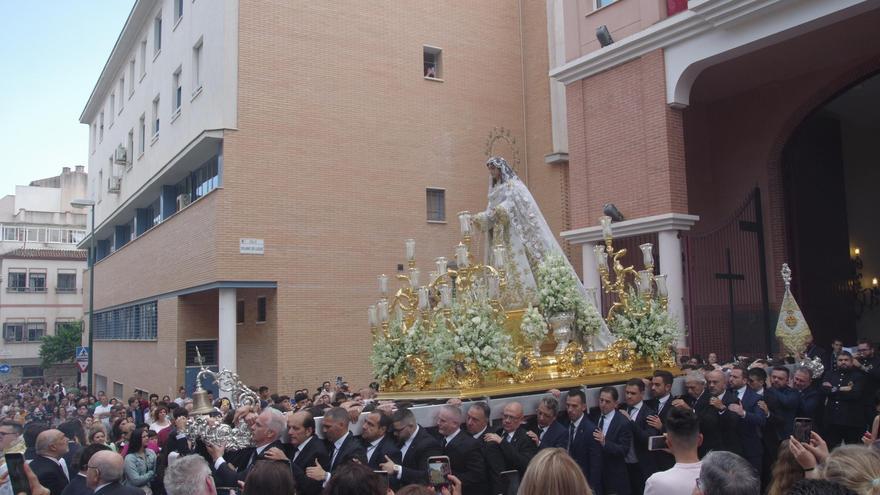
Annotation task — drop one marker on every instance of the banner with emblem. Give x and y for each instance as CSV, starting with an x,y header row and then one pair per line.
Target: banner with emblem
x,y
791,329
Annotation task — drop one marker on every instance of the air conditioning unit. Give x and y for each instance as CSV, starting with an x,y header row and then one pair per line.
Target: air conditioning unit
x,y
114,184
182,201
121,156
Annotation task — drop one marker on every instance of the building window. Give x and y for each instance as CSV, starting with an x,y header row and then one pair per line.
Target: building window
x,y
157,34
118,390
17,281
239,312
177,92
436,205
130,78
121,92
603,3
13,233
63,322
155,127
142,134
206,178
37,281
261,309
31,372
206,348
101,127
178,10
112,108
143,55
129,147
197,67
135,322
66,283
94,136
100,186
36,330
433,58
13,331
154,213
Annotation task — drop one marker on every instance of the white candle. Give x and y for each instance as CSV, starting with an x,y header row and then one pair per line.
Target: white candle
x,y
441,266
461,255
601,256
661,285
498,252
383,310
423,298
446,296
373,316
383,284
410,249
464,221
605,221
414,278
647,254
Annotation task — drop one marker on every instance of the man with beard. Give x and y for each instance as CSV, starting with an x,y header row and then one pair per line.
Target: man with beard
x,y
844,415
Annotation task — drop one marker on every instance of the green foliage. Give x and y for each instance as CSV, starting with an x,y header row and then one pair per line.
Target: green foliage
x,y
648,326
61,347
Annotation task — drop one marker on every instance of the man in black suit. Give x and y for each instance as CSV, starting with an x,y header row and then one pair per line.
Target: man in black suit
x,y
742,402
512,446
266,430
77,485
376,440
661,402
614,435
342,446
477,426
548,432
582,447
639,462
811,397
844,416
699,400
306,449
104,473
49,464
73,430
416,446
464,452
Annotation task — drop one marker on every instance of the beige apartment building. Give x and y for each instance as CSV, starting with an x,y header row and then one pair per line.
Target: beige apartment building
x,y
255,166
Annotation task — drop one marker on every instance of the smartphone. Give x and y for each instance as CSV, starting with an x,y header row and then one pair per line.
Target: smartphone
x,y
803,429
657,443
383,475
438,470
20,483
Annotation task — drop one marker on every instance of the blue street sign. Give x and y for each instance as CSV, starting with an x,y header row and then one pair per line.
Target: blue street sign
x,y
5,368
82,359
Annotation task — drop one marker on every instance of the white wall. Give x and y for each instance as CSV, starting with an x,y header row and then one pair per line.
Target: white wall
x,y
34,198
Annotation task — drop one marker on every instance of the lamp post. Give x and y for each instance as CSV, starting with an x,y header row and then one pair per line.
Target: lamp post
x,y
84,203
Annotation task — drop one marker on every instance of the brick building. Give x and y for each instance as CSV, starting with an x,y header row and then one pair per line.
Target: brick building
x,y
256,164
736,135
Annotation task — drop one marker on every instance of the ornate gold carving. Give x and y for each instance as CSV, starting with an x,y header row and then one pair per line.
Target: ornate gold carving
x,y
500,135
621,356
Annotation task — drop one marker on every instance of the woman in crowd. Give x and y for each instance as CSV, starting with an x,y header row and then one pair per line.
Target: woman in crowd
x,y
554,471
160,418
140,462
98,435
119,435
854,466
786,471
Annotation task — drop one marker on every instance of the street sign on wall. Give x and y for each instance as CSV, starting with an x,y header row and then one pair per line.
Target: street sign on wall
x,y
82,359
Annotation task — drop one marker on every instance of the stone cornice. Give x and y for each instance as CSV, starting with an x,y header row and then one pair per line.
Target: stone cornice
x,y
630,228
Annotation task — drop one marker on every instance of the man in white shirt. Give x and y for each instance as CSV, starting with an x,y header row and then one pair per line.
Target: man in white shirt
x,y
683,437
103,410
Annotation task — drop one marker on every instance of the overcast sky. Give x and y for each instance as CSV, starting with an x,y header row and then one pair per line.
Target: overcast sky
x,y
52,52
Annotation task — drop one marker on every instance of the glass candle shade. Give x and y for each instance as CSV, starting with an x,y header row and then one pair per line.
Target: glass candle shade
x,y
373,316
647,254
414,278
605,222
410,249
662,290
464,223
601,256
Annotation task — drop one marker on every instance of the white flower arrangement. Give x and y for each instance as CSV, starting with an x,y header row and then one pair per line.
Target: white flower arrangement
x,y
389,353
653,333
533,326
558,293
479,338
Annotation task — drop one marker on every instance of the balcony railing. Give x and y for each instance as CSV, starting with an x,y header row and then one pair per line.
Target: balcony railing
x,y
64,290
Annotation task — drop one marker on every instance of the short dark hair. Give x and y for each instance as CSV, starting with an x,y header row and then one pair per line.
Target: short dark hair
x,y
180,411
404,416
844,352
16,426
665,375
337,414
784,369
31,432
578,392
683,424
269,477
81,460
482,406
636,382
73,430
608,389
758,373
350,478
384,420
309,421
263,388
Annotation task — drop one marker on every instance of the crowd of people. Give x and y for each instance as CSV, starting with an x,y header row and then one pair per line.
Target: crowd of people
x,y
744,427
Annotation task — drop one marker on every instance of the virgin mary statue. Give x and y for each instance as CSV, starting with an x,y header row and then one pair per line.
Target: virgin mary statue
x,y
513,220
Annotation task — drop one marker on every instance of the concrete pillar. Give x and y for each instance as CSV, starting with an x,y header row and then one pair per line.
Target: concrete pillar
x,y
226,342
591,274
672,266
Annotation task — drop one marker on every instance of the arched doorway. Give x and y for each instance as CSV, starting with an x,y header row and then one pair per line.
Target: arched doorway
x,y
831,174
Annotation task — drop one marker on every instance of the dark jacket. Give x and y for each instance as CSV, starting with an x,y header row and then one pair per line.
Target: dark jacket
x,y
556,436
844,408
467,463
711,422
243,460
77,486
783,404
587,452
50,474
748,427
415,460
662,460
385,447
641,432
618,440
350,450
315,449
116,489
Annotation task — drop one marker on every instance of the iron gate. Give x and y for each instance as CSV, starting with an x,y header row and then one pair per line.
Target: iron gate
x,y
728,304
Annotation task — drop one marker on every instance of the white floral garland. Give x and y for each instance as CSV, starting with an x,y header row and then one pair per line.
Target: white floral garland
x,y
533,326
653,334
558,293
389,353
479,337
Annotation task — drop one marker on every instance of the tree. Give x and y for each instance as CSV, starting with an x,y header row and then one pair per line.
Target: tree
x,y
61,347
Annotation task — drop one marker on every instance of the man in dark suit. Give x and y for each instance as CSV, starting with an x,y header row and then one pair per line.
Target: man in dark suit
x,y
49,464
266,431
77,485
376,440
73,430
306,449
785,402
512,445
104,473
464,452
477,426
639,462
582,447
548,432
723,435
844,416
697,399
342,446
811,397
742,402
661,402
614,435
416,446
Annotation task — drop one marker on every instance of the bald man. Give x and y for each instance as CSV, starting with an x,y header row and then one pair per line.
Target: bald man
x,y
465,455
49,464
104,473
510,448
266,433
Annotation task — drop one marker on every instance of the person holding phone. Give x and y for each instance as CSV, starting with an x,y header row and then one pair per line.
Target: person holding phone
x,y
464,452
683,438
416,447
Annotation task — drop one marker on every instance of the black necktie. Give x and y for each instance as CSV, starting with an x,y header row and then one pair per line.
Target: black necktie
x,y
601,422
571,430
443,443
